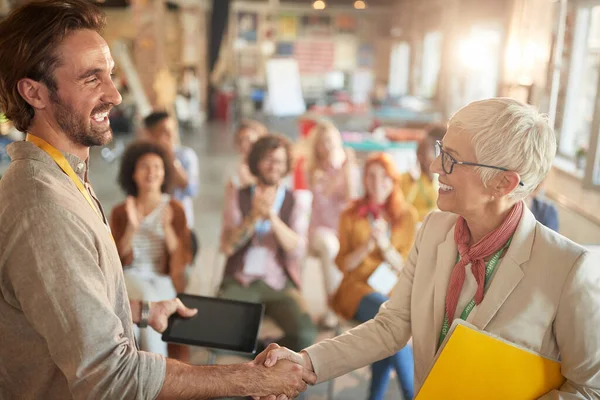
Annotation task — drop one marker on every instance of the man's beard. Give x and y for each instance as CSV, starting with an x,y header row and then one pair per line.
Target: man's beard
x,y
79,128
267,181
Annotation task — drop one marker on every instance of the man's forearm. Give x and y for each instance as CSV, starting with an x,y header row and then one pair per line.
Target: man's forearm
x,y
136,310
287,238
183,381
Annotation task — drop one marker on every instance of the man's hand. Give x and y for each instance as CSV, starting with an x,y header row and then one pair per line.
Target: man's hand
x,y
286,379
160,312
274,354
263,200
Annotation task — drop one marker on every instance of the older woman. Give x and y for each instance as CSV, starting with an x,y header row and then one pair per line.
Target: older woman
x,y
376,231
543,292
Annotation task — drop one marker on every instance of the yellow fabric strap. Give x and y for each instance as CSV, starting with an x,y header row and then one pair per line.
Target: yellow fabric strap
x,y
62,162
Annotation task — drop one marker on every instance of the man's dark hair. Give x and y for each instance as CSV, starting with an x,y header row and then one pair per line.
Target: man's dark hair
x,y
132,154
265,145
29,38
155,118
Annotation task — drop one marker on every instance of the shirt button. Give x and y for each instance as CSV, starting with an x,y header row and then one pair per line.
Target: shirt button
x,y
80,167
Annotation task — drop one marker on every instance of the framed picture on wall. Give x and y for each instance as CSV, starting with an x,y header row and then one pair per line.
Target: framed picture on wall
x,y
316,25
345,24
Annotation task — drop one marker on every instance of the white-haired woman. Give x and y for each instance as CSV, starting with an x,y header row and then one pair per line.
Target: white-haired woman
x,y
485,259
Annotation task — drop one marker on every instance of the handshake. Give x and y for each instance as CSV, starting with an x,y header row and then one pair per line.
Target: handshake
x,y
283,374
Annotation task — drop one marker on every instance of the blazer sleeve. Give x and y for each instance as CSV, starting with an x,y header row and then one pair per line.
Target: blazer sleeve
x,y
577,334
118,225
376,339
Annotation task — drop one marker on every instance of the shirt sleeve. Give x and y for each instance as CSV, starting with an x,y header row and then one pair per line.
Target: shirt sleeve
x,y
189,161
53,274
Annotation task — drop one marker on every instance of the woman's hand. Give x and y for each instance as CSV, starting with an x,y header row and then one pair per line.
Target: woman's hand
x,y
379,233
167,218
133,216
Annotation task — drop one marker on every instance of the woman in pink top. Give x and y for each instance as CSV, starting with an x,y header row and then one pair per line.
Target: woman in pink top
x,y
331,176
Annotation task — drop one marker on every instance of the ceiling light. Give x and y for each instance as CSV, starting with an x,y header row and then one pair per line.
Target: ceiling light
x,y
360,5
319,5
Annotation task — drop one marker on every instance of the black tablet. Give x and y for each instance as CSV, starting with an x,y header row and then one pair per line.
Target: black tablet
x,y
219,324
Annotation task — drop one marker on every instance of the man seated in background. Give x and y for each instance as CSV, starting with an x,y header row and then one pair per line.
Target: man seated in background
x,y
544,211
420,186
264,236
185,174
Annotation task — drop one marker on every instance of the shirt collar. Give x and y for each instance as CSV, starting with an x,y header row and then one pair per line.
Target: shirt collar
x,y
28,151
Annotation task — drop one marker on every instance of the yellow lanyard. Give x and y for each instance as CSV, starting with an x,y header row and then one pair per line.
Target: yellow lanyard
x,y
62,162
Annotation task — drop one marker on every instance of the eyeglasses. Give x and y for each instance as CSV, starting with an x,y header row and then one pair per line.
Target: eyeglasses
x,y
448,161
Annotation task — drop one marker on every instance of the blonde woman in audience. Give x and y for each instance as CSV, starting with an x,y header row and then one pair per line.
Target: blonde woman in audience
x,y
151,234
420,186
332,176
486,260
376,230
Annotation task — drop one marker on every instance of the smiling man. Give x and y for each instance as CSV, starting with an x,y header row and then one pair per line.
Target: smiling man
x,y
65,320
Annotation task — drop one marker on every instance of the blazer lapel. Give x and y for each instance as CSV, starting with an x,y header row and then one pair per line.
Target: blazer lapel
x,y
446,259
509,272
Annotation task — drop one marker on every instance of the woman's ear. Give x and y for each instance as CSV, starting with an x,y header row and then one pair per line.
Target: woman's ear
x,y
506,182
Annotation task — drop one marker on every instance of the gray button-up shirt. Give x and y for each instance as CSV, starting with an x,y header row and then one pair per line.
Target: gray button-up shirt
x,y
65,321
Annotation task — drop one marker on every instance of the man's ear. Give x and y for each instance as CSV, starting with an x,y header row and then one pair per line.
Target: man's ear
x,y
35,93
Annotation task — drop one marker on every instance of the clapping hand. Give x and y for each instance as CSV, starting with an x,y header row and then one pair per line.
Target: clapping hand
x,y
167,217
379,233
263,200
274,355
133,215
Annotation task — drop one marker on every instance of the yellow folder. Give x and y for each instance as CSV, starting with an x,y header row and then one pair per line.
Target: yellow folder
x,y
472,364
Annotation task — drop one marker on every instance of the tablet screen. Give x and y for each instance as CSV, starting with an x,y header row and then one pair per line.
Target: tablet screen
x,y
219,323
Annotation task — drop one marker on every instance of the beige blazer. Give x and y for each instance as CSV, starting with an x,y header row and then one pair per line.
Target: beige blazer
x,y
545,295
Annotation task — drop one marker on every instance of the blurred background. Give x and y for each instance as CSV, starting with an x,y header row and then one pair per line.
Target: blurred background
x,y
383,71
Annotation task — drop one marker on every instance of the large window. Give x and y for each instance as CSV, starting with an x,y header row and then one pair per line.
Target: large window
x,y
578,139
399,69
430,66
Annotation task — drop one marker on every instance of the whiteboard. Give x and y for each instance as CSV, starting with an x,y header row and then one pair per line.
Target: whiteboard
x,y
284,88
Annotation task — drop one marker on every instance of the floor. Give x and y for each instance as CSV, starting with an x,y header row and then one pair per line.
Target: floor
x,y
214,146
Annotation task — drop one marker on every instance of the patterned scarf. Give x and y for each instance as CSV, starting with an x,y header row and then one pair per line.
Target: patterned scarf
x,y
476,254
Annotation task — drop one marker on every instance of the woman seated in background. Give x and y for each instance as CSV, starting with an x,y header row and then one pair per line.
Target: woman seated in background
x,y
247,133
151,234
332,176
420,187
376,231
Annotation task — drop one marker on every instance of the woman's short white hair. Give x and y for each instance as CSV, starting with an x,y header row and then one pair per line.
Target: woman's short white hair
x,y
507,133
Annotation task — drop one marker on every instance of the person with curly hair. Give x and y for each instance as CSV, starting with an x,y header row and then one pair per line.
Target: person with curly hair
x,y
151,233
